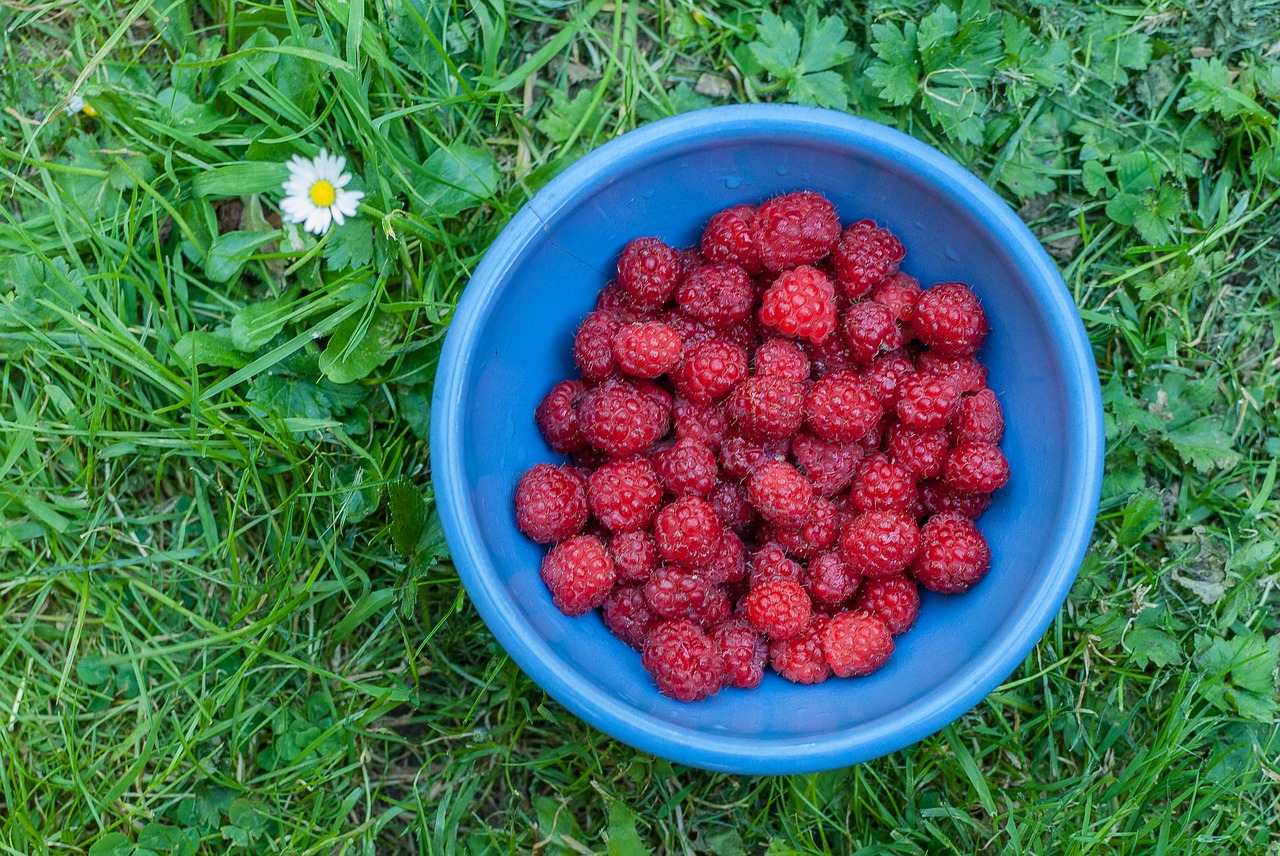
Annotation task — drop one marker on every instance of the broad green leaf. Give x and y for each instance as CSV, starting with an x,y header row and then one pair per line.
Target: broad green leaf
x,y
456,178
292,398
821,89
1239,672
258,323
896,73
209,348
621,832
239,179
231,250
777,45
32,291
112,844
1205,444
129,171
356,349
408,516
350,245
1142,516
92,671
825,45
1095,178
172,840
1155,221
1112,48
563,115
1150,645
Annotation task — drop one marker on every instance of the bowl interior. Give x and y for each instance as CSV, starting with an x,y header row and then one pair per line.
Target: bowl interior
x,y
542,277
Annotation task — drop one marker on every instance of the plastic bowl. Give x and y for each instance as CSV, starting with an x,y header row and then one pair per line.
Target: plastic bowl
x,y
511,339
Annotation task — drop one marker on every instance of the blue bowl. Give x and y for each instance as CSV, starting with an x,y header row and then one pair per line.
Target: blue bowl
x,y
511,339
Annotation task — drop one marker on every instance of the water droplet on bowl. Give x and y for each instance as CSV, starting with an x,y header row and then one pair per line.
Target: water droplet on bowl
x,y
647,194
733,182
950,253
782,170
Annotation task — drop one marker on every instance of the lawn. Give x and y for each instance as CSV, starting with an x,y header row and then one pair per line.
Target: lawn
x,y
228,623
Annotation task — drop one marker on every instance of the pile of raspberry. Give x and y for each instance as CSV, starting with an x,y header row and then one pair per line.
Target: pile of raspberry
x,y
776,438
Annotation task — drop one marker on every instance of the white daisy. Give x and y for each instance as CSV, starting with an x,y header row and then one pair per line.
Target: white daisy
x,y
77,104
315,196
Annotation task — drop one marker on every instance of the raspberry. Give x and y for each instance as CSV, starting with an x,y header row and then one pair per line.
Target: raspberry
x,y
770,562
728,238
881,485
675,593
656,393
841,408
865,255
718,295
978,419
703,423
801,303
688,532
928,400
898,293
894,600
780,608
624,494
579,574
937,497
730,562
739,457
648,271
920,450
550,503
801,659
690,260
781,358
687,468
733,507
627,614
635,556
744,652
781,494
646,350
950,320
829,466
953,554
868,329
885,376
829,579
976,468
684,662
593,345
620,419
709,370
818,532
831,355
855,643
880,543
795,229
557,417
765,407
590,458
968,374
615,300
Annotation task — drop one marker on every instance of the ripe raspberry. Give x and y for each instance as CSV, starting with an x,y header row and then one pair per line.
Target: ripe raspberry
x,y
744,652
688,532
635,556
656,393
765,407
709,370
557,417
781,358
856,643
865,255
978,419
703,423
894,600
801,303
899,293
590,458
718,295
869,329
615,300
687,468
579,574
780,609
841,408
795,229
728,238
550,503
881,485
733,507
829,579
969,374
621,420
950,320
683,661
625,494
880,543
648,271
781,494
675,593
770,562
646,350
818,532
730,562
626,613
829,356
801,659
953,554
829,466
739,457
593,345
690,260
928,400
976,468
938,497
885,376
920,450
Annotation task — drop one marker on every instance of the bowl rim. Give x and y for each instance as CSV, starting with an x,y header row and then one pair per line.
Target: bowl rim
x,y
645,731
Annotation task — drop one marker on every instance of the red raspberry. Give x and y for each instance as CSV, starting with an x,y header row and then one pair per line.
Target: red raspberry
x,y
646,350
621,420
882,485
687,468
976,468
718,295
744,652
782,358
829,356
635,556
550,503
953,554
829,579
765,407
627,615
978,419
683,661
656,393
709,370
780,609
894,600
590,458
817,533
869,329
781,494
950,320
856,643
801,303
675,593
937,497
885,376
730,563
880,543
615,300
899,293
801,659
728,238
969,374
928,400
690,260
829,466
795,229
770,562
688,532
557,417
865,255
579,574
739,457
648,271
625,494
841,408
691,330
703,423
920,450
733,507
593,345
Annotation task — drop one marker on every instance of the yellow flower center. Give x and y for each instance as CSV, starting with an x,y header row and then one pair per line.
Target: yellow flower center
x,y
323,194
89,111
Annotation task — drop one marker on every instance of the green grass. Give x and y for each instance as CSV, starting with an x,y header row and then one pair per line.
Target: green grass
x,y
219,626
